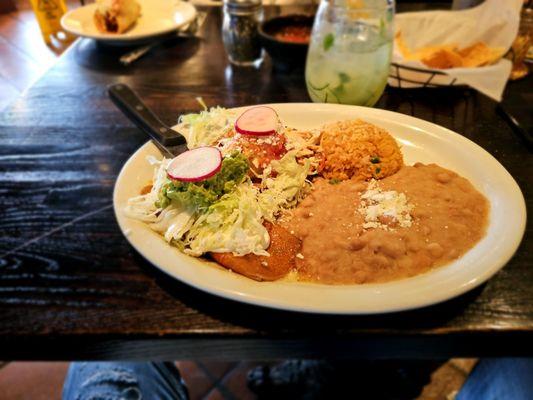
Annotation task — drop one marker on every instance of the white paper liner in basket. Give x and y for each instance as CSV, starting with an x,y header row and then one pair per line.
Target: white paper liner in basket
x,y
494,22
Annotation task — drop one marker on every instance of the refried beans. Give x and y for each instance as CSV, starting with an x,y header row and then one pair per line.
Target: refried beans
x,y
448,217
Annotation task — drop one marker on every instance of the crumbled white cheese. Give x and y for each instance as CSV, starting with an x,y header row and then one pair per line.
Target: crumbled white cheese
x,y
300,256
264,263
265,140
377,203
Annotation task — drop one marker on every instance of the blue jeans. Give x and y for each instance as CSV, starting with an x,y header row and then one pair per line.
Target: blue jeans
x,y
124,381
492,379
499,378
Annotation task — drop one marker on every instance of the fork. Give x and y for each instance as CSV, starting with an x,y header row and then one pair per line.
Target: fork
x,y
186,31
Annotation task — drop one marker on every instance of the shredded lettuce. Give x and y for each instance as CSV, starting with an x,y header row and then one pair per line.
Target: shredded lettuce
x,y
224,215
220,214
145,207
232,224
284,184
226,212
174,222
206,127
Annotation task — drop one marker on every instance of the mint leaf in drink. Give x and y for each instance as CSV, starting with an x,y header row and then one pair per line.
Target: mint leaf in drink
x,y
344,77
339,91
329,39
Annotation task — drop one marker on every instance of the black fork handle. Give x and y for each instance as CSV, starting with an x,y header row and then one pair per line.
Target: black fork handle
x,y
144,118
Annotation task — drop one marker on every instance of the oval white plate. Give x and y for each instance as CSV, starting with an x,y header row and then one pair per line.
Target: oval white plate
x,y
421,141
157,18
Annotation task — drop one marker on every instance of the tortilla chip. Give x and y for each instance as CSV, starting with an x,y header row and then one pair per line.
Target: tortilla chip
x,y
422,52
443,59
404,49
449,56
479,54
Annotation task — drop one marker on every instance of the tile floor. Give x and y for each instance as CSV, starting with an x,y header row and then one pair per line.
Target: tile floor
x,y
32,381
216,380
205,380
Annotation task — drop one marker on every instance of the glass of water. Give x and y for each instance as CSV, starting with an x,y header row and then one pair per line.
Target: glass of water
x,y
350,51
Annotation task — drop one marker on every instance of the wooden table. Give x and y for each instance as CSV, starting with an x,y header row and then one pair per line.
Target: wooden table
x,y
71,287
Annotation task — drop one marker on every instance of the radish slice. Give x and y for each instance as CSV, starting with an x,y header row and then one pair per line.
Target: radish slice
x,y
195,165
257,121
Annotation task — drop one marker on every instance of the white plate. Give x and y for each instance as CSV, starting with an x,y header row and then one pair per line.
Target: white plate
x,y
157,18
421,141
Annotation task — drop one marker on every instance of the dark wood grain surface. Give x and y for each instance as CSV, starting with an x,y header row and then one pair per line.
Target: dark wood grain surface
x,y
71,287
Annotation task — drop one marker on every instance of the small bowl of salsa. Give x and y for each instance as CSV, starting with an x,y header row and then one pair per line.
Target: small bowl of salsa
x,y
286,40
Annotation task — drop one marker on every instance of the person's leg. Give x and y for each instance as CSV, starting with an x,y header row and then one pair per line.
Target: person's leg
x,y
495,379
124,381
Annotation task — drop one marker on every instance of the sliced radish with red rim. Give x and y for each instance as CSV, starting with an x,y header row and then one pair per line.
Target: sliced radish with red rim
x,y
195,165
257,121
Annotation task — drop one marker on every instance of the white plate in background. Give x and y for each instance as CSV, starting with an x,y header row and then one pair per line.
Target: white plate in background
x,y
158,17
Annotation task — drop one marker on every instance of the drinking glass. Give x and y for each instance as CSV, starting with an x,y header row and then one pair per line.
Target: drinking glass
x,y
350,51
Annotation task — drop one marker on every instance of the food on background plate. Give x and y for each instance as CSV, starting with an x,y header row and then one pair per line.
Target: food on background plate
x,y
116,16
447,56
333,205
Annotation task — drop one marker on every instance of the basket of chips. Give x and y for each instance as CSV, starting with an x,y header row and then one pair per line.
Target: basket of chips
x,y
456,48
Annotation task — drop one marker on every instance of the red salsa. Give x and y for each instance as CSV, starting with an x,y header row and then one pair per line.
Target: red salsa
x,y
294,34
260,150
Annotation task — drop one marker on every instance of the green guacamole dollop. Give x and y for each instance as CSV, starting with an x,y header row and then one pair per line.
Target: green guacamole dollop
x,y
202,194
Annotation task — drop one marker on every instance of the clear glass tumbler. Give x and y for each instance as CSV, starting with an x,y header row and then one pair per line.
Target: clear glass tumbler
x,y
350,51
